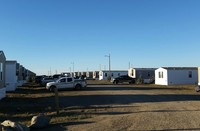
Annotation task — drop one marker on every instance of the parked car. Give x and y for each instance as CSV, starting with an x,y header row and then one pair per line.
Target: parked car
x,y
38,79
123,78
45,80
65,83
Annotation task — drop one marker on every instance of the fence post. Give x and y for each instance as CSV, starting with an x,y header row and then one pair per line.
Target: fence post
x,y
57,100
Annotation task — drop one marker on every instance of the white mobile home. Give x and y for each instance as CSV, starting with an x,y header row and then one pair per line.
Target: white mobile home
x,y
176,75
11,75
104,74
2,75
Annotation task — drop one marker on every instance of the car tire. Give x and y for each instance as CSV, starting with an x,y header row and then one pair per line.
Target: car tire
x,y
52,88
78,87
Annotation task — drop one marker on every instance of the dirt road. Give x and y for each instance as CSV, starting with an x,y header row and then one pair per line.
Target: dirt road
x,y
135,108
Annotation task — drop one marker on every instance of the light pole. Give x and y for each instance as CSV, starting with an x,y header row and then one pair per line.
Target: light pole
x,y
73,69
109,65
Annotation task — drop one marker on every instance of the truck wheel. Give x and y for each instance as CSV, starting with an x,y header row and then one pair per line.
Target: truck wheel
x,y
78,87
52,88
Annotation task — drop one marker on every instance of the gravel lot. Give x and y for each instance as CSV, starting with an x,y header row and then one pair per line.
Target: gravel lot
x,y
113,107
124,107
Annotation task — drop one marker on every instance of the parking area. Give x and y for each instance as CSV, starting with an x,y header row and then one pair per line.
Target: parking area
x,y
109,107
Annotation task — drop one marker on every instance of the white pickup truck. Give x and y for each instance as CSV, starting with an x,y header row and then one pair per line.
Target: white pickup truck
x,y
65,83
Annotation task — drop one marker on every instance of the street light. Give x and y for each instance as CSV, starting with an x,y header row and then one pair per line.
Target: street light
x,y
109,64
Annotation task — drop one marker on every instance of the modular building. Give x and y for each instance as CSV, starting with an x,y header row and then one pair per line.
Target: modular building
x,y
146,74
89,75
104,74
95,75
11,75
2,75
21,76
176,75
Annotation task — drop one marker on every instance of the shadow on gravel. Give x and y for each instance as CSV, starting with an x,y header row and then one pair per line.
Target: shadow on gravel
x,y
90,100
60,126
186,129
162,111
121,87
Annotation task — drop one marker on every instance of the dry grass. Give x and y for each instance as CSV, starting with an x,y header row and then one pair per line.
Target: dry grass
x,y
27,102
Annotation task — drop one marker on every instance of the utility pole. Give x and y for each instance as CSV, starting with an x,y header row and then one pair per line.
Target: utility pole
x,y
109,65
73,69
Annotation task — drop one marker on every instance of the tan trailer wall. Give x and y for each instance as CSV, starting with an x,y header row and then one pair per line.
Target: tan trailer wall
x,y
199,75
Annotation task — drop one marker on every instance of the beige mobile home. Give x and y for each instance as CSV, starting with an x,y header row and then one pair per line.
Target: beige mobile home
x,y
198,86
2,75
199,76
95,75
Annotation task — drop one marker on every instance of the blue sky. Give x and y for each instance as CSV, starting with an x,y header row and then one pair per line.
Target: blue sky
x,y
52,34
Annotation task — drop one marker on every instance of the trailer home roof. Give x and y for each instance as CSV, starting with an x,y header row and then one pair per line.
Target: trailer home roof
x,y
180,68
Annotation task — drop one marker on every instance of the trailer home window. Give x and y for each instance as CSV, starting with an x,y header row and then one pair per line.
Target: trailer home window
x,y
148,74
106,74
190,74
160,74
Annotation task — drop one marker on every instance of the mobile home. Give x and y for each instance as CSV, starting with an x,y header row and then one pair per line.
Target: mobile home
x,y
2,75
83,74
30,76
198,85
104,74
11,75
95,75
176,75
147,74
89,75
21,80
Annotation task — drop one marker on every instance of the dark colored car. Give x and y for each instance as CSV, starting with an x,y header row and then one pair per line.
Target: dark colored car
x,y
46,80
123,78
38,79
